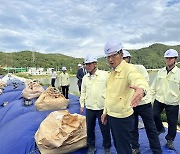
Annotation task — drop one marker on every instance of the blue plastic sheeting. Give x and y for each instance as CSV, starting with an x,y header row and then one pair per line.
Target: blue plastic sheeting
x,y
11,88
11,82
144,143
10,94
19,123
13,110
17,136
74,106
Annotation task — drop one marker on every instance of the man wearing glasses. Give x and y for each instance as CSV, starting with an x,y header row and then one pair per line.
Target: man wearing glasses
x,y
125,89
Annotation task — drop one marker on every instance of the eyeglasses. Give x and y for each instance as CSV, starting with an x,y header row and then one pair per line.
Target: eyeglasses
x,y
87,64
113,56
169,58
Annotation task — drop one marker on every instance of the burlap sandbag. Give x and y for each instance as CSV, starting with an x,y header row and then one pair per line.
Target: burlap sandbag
x,y
51,99
2,84
61,132
32,90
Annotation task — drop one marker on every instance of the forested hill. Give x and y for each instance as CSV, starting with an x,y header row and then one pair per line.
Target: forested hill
x,y
150,57
35,59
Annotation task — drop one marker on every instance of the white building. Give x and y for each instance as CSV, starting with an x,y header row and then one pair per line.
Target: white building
x,y
36,71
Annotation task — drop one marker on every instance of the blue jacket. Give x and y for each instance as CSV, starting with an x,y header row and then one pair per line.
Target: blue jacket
x,y
80,73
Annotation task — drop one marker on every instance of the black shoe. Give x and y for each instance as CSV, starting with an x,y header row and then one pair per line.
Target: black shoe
x,y
136,151
91,150
107,151
170,145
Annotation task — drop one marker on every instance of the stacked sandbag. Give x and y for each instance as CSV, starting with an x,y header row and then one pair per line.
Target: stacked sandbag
x,y
51,99
28,81
2,85
32,90
61,132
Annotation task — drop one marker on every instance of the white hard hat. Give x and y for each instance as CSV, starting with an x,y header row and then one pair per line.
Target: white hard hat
x,y
126,54
171,53
79,65
112,47
64,68
90,59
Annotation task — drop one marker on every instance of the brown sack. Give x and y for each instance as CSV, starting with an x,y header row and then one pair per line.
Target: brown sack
x,y
32,90
2,84
51,99
61,132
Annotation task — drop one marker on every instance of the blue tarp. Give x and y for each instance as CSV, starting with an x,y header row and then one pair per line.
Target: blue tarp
x,y
14,109
17,135
11,93
19,123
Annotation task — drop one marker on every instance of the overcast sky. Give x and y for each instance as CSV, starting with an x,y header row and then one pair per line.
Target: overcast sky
x,y
80,27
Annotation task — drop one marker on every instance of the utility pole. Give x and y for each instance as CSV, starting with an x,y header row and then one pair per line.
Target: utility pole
x,y
33,57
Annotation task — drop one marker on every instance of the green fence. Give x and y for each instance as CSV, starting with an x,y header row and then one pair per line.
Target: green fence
x,y
15,70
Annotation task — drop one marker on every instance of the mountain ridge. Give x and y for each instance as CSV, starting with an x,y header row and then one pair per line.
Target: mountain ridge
x,y
151,57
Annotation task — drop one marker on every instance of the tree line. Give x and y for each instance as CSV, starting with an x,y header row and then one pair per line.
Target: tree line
x,y
151,57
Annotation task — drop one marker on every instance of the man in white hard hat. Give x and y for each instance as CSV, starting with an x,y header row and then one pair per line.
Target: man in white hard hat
x,y
125,89
126,56
93,87
80,74
144,109
166,91
64,82
79,65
